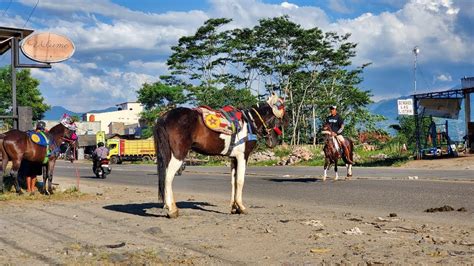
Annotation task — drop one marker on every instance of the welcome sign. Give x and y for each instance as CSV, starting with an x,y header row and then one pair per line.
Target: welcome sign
x,y
47,47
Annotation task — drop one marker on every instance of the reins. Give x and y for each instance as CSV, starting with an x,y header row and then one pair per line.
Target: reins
x,y
261,119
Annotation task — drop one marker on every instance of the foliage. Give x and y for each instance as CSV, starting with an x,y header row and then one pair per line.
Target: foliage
x,y
27,92
406,130
158,98
312,69
217,98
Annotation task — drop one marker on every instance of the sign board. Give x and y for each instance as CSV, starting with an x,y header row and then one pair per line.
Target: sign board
x,y
47,47
405,107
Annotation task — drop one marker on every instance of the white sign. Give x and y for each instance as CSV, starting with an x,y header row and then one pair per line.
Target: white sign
x,y
405,107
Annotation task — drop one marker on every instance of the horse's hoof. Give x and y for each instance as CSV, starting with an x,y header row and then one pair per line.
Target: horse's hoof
x,y
238,211
173,215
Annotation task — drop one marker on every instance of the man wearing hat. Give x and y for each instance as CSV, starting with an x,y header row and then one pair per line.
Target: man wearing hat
x,y
337,126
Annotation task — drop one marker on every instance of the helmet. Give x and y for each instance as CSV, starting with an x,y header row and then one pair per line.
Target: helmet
x,y
100,144
332,107
41,125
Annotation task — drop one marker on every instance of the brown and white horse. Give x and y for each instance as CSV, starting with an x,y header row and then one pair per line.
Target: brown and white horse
x,y
332,153
183,129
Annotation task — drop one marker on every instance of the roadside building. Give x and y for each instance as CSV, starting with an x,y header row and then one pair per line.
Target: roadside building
x,y
127,113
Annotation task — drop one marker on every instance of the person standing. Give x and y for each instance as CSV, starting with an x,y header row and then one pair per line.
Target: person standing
x,y
30,170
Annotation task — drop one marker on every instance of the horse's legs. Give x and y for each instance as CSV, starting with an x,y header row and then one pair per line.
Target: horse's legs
x,y
238,206
4,167
233,172
335,170
14,174
171,170
349,170
50,172
326,167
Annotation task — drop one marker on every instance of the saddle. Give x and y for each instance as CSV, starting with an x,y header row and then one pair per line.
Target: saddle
x,y
38,138
227,120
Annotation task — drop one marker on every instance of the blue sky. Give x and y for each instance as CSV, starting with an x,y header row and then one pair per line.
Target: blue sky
x,y
121,44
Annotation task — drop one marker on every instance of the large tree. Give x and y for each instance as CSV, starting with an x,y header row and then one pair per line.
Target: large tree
x,y
28,93
310,68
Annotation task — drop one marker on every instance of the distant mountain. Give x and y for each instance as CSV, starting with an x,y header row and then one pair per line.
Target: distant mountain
x,y
56,112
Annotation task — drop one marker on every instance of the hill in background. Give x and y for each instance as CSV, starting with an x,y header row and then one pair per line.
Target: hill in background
x,y
56,112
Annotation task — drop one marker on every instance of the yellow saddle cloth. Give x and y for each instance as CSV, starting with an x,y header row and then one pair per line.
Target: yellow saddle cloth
x,y
219,122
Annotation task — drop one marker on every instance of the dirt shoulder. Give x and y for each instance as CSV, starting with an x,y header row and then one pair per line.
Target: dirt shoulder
x,y
125,225
456,163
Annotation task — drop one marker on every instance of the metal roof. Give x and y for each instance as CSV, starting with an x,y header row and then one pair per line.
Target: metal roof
x,y
7,33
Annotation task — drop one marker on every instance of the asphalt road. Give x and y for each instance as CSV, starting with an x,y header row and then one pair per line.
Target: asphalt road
x,y
384,189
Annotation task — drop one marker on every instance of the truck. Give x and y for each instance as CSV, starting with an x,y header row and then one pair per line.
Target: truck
x,y
131,150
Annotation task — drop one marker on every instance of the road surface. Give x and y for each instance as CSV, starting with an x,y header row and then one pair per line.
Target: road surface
x,y
381,189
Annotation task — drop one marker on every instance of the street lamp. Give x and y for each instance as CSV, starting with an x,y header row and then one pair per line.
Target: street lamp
x,y
415,51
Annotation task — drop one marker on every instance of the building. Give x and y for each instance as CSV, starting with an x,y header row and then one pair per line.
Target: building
x,y
83,128
127,113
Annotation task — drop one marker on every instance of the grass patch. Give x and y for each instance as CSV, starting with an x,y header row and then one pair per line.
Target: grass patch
x,y
72,193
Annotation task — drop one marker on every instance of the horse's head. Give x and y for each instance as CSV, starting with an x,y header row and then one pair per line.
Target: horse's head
x,y
274,119
327,131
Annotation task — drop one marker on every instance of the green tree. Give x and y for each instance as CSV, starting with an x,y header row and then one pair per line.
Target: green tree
x,y
310,68
28,93
216,98
158,98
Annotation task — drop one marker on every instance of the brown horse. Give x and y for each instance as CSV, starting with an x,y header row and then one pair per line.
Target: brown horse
x,y
16,146
333,154
182,129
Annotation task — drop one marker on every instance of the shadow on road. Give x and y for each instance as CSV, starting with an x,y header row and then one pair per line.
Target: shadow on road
x,y
140,209
299,180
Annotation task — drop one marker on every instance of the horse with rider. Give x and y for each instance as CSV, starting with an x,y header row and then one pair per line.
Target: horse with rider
x,y
336,146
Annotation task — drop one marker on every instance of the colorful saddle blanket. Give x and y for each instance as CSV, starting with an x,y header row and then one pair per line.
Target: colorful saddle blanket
x,y
227,120
38,138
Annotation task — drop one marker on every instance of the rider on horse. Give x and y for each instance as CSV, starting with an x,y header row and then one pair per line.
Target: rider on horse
x,y
337,126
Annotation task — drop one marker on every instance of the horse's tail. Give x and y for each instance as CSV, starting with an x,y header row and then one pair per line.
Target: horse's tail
x,y
163,155
3,157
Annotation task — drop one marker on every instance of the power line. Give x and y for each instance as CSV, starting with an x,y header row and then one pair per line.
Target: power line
x,y
31,13
6,9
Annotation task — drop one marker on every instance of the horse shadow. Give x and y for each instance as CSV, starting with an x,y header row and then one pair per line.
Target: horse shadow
x,y
140,209
296,180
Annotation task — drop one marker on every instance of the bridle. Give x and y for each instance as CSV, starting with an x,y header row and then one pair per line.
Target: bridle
x,y
266,127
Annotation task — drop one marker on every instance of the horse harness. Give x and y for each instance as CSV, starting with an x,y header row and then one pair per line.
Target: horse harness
x,y
247,115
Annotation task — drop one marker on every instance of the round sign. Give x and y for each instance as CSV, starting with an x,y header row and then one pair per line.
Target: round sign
x,y
47,47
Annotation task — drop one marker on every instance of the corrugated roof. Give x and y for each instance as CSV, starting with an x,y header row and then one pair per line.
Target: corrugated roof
x,y
6,33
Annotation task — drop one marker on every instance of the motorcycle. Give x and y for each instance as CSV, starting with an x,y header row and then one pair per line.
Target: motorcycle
x,y
102,169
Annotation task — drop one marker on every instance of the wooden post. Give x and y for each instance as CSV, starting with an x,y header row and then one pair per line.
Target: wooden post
x,y
467,114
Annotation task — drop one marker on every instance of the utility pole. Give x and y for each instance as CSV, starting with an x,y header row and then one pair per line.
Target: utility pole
x,y
416,51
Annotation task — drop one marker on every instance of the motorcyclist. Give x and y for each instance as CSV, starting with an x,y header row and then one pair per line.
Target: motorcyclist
x,y
101,152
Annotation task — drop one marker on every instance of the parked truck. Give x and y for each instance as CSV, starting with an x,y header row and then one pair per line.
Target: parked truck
x,y
131,150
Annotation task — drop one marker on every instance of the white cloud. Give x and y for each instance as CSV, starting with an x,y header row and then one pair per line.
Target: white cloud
x,y
155,67
444,77
246,13
288,5
115,56
66,85
388,38
339,6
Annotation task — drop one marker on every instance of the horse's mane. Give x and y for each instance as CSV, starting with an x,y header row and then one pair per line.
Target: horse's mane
x,y
57,129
